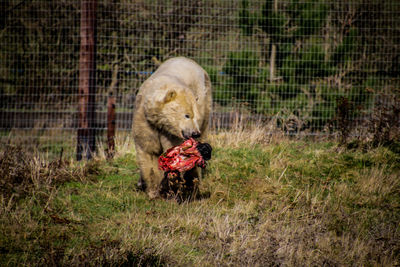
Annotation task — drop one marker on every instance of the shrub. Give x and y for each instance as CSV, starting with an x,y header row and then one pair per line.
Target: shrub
x,y
242,68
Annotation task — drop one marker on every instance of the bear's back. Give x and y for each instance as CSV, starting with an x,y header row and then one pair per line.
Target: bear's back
x,y
184,70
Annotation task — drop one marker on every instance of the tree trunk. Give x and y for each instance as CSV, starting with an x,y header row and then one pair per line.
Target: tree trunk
x,y
86,143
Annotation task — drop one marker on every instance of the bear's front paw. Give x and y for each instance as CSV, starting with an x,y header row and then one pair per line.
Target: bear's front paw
x,y
153,194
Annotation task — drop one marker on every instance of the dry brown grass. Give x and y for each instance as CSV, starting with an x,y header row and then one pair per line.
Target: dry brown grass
x,y
245,133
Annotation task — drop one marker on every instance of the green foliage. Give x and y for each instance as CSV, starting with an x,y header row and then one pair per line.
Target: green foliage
x,y
292,22
323,111
246,18
219,85
305,65
285,90
272,21
308,17
361,96
299,69
347,50
242,68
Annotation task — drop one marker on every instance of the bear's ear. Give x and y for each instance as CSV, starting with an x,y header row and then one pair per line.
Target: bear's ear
x,y
169,96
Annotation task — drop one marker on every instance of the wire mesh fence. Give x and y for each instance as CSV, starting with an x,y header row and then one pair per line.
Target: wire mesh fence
x,y
314,66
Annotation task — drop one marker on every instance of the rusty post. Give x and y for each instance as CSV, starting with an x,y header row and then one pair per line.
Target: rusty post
x,y
111,114
111,125
86,143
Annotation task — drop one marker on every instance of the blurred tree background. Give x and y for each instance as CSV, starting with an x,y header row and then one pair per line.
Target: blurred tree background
x,y
280,58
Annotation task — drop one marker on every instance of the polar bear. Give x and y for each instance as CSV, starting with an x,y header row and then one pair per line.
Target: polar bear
x,y
172,105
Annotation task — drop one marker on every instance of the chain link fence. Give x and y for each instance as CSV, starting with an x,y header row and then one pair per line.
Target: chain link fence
x,y
314,67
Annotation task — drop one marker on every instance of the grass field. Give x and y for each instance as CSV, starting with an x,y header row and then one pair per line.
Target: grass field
x,y
267,201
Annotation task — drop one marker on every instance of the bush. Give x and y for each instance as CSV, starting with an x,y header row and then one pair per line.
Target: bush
x,y
285,90
347,50
242,68
307,64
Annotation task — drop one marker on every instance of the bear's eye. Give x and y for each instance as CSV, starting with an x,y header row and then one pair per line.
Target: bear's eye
x,y
187,116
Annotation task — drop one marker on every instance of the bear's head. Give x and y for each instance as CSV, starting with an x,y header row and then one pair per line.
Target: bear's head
x,y
174,110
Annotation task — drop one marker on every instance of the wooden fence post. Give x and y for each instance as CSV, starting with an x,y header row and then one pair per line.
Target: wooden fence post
x,y
111,113
86,139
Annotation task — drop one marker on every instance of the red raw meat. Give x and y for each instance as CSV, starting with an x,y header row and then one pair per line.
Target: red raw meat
x,y
181,158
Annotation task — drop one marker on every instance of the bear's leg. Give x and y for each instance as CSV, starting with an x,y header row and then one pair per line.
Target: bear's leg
x,y
204,133
192,179
150,174
141,183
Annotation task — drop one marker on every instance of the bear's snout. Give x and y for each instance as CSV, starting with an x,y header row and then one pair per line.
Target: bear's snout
x,y
196,134
193,134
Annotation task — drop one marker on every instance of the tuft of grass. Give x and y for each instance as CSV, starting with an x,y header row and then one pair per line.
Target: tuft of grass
x,y
267,200
242,134
24,173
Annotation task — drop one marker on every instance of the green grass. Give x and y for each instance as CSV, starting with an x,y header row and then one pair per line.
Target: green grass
x,y
274,202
